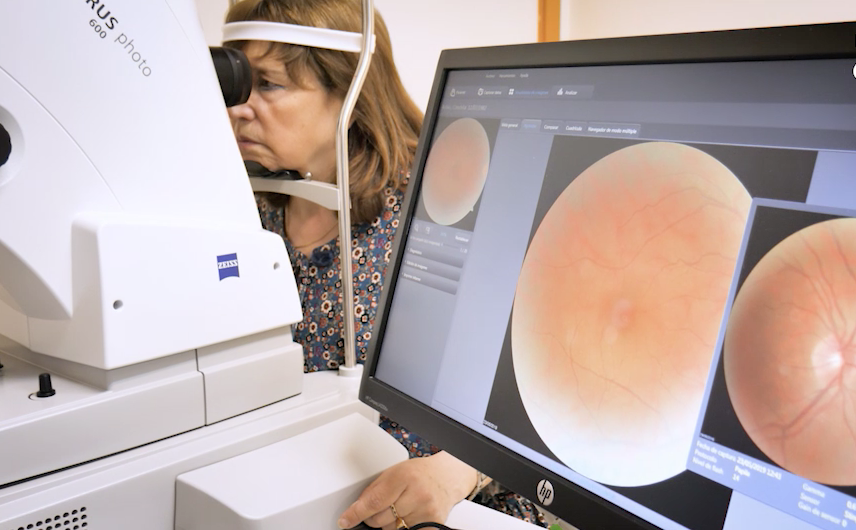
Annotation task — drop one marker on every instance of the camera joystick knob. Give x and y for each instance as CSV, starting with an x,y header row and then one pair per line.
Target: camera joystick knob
x,y
45,387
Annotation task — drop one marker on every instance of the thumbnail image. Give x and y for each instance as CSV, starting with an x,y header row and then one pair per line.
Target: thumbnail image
x,y
789,352
455,171
618,306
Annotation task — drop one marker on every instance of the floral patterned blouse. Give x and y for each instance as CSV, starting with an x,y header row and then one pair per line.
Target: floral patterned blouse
x,y
322,329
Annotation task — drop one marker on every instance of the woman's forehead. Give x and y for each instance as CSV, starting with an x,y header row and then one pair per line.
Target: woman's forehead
x,y
262,52
272,58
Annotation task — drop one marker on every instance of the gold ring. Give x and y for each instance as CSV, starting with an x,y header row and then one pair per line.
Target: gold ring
x,y
399,522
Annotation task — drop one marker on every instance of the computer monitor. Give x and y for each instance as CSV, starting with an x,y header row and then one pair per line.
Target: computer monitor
x,y
624,283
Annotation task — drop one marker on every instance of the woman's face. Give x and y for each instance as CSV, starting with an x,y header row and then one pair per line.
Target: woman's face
x,y
286,125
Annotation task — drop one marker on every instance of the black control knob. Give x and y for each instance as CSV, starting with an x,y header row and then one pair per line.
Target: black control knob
x,y
45,387
5,145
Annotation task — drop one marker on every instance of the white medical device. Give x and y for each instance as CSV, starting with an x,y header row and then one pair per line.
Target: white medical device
x,y
144,313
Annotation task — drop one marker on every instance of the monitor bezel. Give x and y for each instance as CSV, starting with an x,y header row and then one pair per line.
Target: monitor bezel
x,y
571,502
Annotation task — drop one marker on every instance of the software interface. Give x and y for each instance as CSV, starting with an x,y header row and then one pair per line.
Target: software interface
x,y
644,279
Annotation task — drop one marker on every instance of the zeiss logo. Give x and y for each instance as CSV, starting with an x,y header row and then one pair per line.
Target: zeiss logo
x,y
227,265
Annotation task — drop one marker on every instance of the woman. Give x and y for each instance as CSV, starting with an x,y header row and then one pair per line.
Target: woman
x,y
289,122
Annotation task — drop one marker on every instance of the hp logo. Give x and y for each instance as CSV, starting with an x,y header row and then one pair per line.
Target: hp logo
x,y
545,493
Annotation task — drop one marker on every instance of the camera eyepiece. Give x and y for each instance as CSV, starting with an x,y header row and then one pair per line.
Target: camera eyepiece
x,y
234,73
5,145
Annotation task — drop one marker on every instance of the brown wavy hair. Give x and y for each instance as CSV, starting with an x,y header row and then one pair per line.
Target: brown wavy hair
x,y
385,122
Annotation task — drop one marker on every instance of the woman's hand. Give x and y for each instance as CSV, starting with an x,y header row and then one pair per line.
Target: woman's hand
x,y
422,490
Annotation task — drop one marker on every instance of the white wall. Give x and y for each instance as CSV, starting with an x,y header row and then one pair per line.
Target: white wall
x,y
611,18
420,29
211,15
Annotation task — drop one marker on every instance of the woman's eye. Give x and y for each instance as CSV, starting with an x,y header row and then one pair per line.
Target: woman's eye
x,y
265,85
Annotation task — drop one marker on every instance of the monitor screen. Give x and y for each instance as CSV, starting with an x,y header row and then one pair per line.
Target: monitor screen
x,y
625,280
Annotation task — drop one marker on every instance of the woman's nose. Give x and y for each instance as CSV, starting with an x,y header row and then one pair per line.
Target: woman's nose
x,y
244,111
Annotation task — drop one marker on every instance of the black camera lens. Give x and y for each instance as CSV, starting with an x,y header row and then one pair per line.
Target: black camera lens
x,y
5,145
234,73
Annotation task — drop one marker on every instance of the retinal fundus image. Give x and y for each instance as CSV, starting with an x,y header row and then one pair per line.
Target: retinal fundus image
x,y
618,308
455,171
790,357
